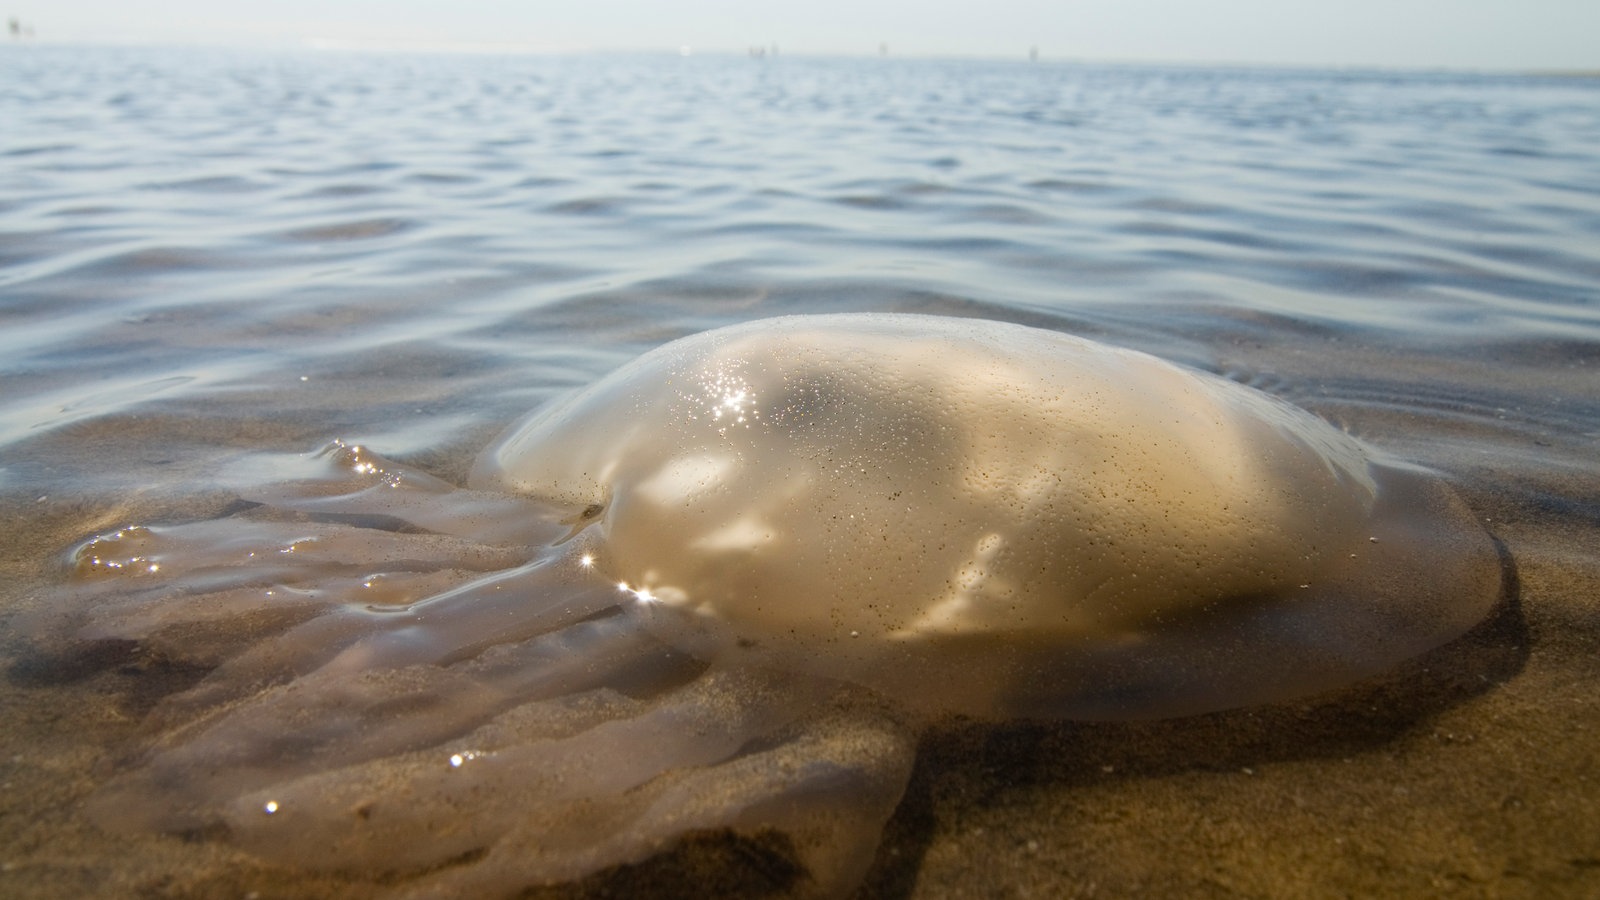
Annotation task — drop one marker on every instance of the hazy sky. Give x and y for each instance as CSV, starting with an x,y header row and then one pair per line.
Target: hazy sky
x,y
1455,33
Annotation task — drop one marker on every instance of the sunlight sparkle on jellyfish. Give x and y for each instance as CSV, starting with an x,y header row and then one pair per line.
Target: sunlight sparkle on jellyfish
x,y
711,590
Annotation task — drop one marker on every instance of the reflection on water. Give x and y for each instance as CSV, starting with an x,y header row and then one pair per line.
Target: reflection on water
x,y
205,255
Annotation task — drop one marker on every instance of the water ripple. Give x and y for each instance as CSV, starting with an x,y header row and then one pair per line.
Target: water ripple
x,y
310,214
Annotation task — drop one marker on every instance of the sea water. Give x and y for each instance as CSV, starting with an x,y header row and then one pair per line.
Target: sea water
x,y
207,254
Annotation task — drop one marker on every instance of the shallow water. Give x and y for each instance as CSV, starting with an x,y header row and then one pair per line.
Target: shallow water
x,y
206,255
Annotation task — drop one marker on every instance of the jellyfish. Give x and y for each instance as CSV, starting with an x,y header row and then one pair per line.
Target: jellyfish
x,y
725,588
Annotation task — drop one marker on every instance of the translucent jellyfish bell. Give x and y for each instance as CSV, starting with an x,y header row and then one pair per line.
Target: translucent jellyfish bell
x,y
994,520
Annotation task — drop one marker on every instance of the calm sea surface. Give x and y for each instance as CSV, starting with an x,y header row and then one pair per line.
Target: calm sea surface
x,y
207,254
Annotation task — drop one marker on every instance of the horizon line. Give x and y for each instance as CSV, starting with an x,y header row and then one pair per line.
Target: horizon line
x,y
1027,55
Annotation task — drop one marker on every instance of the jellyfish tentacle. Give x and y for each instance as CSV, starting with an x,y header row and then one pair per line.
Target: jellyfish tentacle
x,y
463,619
551,761
201,595
330,720
351,480
200,557
824,787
